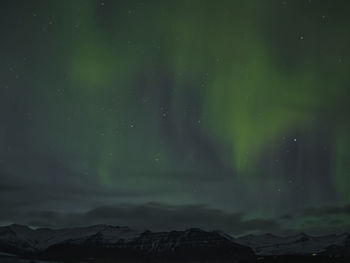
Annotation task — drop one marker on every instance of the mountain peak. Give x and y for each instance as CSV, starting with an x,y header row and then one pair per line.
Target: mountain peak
x,y
270,235
194,229
124,243
20,228
302,235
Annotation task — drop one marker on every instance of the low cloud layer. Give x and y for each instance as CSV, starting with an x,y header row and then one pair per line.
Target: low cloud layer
x,y
160,216
153,216
328,211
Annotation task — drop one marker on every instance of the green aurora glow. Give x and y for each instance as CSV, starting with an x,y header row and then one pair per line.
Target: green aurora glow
x,y
142,95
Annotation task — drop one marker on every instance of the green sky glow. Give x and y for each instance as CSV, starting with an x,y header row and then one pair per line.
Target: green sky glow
x,y
177,99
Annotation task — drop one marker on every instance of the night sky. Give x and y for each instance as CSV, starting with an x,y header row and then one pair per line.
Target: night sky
x,y
229,115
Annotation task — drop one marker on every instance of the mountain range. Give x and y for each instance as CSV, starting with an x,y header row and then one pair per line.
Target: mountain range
x,y
115,242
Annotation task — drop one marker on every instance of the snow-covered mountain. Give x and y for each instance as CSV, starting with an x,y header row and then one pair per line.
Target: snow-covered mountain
x,y
104,241
30,240
301,244
115,241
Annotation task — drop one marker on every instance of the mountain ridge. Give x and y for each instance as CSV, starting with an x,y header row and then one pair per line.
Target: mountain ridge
x,y
115,242
121,241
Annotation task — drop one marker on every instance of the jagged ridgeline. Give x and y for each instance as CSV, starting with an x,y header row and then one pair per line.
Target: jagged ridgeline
x,y
105,243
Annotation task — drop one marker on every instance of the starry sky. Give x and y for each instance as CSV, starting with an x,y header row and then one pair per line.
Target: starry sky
x,y
225,114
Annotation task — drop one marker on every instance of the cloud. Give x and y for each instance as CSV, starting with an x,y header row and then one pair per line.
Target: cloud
x,y
318,220
154,216
328,211
161,216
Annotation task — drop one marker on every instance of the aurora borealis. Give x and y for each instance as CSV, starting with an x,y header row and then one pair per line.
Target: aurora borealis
x,y
237,110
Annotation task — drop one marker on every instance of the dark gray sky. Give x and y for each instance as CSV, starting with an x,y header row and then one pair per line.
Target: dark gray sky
x,y
227,115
